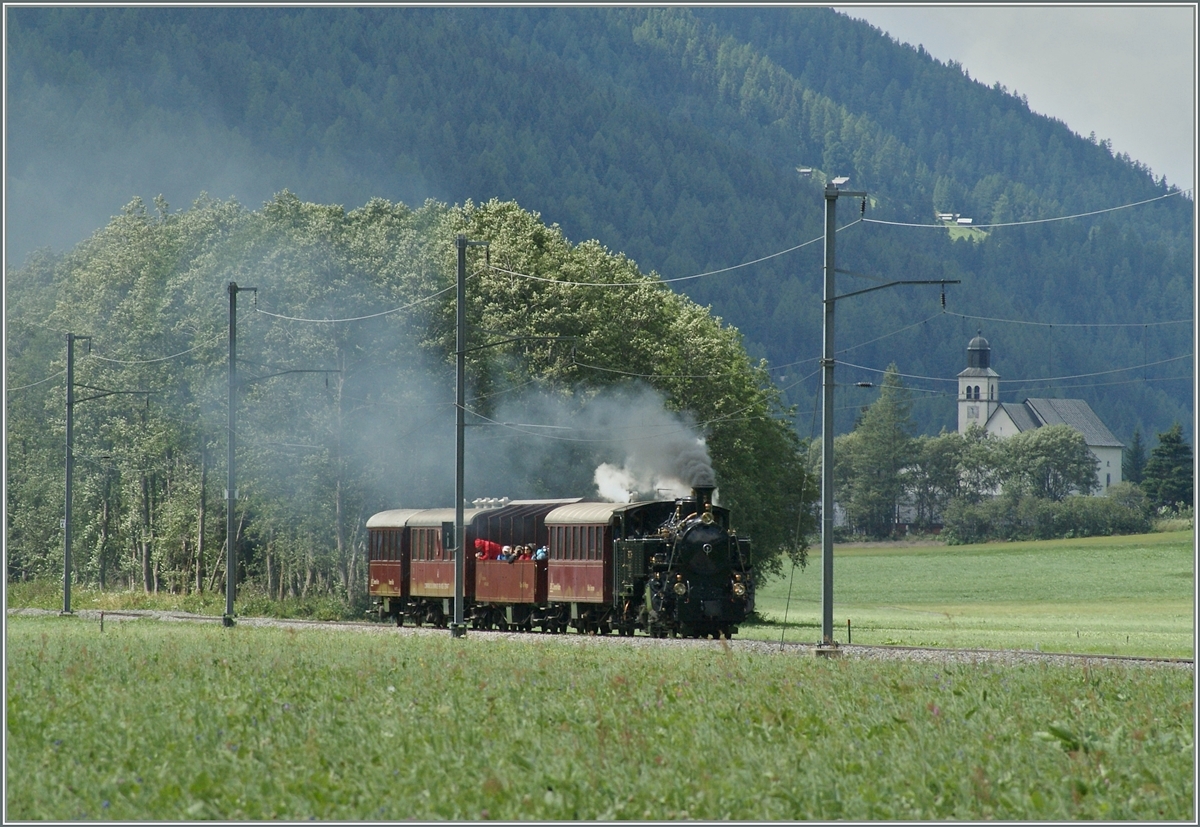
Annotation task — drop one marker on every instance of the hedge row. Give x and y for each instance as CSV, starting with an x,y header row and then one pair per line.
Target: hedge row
x,y
1032,518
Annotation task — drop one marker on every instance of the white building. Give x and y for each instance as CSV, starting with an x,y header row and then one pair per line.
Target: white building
x,y
979,404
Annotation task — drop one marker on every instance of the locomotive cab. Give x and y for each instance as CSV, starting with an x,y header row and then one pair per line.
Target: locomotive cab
x,y
699,581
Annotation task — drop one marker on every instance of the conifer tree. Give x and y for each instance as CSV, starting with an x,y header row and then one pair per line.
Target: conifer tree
x,y
880,455
1168,476
1133,460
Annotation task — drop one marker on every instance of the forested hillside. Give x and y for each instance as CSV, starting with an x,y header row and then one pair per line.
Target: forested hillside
x,y
672,135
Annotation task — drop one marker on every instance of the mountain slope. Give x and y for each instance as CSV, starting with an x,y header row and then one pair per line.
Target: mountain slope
x,y
672,135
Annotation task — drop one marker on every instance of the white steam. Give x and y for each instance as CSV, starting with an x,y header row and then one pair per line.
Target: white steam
x,y
552,442
663,457
623,483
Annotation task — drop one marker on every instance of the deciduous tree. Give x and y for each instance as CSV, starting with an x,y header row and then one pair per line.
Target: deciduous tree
x,y
1049,462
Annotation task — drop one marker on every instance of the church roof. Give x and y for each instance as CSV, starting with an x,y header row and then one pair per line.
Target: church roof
x,y
1034,413
1020,416
1076,413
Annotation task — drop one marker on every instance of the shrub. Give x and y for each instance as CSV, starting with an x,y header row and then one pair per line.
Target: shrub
x,y
1034,518
1180,517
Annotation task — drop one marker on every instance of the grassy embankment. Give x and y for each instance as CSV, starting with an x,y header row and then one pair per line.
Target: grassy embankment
x,y
1110,595
1107,595
251,602
169,721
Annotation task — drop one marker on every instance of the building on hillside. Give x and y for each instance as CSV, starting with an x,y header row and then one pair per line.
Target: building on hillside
x,y
979,404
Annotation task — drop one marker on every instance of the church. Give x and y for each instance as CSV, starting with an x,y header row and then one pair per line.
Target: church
x,y
979,404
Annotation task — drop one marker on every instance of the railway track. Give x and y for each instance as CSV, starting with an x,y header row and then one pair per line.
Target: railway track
x,y
850,651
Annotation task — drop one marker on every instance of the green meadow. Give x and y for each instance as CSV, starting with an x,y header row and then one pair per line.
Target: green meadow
x,y
1101,595
151,720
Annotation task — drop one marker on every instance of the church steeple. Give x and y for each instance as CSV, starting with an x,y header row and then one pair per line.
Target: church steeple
x,y
979,352
978,386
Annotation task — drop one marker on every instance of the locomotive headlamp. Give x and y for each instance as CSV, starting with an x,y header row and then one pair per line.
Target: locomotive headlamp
x,y
680,587
739,589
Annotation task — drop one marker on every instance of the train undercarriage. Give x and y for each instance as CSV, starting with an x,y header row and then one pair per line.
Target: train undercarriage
x,y
626,620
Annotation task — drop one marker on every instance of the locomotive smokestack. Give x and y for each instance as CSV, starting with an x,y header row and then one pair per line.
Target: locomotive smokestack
x,y
702,494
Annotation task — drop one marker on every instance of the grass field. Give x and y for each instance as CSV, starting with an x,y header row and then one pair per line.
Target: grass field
x,y
173,721
1110,595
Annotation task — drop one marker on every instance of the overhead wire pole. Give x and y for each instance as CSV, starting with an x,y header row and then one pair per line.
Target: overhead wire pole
x,y
230,478
70,463
458,627
832,193
70,470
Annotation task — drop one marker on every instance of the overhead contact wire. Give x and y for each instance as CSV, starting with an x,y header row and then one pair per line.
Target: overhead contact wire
x,y
159,359
39,382
666,281
400,309
1047,379
1070,324
1033,220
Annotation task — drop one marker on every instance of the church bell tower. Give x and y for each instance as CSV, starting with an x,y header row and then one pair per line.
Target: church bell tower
x,y
978,386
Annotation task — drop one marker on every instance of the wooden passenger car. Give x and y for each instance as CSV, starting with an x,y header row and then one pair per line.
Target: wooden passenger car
x,y
581,558
520,522
388,553
433,566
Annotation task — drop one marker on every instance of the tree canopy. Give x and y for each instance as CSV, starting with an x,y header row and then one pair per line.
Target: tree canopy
x,y
345,361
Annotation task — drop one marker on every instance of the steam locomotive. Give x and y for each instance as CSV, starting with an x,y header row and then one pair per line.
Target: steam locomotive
x,y
666,567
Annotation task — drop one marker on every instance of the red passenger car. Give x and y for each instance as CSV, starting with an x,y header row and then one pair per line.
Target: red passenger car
x,y
388,557
581,563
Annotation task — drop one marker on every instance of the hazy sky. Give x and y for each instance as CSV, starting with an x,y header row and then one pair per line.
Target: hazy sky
x,y
1127,73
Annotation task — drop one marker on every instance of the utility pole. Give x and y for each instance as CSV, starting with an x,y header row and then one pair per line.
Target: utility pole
x,y
203,513
230,481
458,627
827,644
832,193
70,469
70,472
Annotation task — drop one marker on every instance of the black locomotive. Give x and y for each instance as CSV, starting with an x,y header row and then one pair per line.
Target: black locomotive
x,y
666,567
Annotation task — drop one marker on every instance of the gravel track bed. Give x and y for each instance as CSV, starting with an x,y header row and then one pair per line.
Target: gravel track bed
x,y
1010,657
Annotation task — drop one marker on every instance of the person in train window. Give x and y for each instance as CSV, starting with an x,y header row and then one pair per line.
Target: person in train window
x,y
486,549
541,554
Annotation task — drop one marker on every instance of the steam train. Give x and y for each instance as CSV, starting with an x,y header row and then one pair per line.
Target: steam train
x,y
667,567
